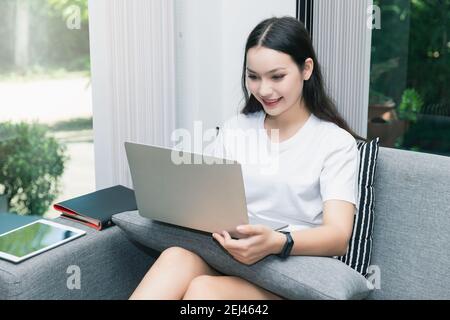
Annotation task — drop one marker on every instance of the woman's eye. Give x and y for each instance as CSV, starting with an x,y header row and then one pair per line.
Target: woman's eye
x,y
278,77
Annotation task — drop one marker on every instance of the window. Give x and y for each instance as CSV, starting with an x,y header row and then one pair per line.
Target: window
x,y
409,100
45,95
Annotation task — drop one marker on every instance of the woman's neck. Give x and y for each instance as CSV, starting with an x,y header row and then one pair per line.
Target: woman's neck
x,y
293,118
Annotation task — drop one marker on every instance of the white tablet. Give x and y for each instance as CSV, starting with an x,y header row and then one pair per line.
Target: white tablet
x,y
36,237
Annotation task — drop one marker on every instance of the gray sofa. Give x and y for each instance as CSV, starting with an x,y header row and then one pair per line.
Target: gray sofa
x,y
410,260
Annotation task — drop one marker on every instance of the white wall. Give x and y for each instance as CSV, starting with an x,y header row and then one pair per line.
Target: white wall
x,y
198,59
209,48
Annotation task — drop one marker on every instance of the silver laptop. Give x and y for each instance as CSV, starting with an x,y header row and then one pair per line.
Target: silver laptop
x,y
205,197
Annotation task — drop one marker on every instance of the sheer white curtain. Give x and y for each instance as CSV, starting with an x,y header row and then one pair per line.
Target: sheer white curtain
x,y
342,41
133,80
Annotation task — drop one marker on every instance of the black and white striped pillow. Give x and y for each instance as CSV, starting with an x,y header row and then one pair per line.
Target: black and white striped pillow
x,y
360,246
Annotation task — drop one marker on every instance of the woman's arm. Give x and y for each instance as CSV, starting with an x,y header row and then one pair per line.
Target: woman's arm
x,y
330,239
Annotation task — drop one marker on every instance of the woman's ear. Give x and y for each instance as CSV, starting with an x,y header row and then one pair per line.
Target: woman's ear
x,y
308,68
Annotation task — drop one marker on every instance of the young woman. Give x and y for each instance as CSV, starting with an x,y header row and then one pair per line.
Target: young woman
x,y
313,186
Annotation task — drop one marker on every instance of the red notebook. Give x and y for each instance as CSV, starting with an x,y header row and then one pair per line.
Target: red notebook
x,y
96,209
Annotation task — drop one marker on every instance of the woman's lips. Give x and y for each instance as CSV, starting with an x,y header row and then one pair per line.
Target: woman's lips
x,y
271,103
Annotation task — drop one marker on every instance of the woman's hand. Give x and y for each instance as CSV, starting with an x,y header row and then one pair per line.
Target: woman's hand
x,y
260,242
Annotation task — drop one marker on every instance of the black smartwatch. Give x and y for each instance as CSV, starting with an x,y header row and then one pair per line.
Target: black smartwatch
x,y
287,248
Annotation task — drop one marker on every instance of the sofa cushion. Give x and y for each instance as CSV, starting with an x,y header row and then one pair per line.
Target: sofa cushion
x,y
297,277
360,245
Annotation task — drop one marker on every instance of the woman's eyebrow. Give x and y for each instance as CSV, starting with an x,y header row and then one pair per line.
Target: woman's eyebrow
x,y
273,70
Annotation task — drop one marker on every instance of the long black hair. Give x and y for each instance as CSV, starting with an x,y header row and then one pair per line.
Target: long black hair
x,y
289,35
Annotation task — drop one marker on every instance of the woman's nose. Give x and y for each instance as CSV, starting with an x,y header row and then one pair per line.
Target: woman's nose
x,y
265,90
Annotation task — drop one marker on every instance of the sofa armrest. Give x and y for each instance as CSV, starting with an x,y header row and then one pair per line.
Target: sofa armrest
x,y
110,267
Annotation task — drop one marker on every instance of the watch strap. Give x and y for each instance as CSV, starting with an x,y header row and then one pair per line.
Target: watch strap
x,y
287,248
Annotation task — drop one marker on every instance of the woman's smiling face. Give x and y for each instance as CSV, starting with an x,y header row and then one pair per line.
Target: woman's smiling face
x,y
274,79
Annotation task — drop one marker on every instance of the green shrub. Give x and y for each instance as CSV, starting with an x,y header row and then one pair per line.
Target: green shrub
x,y
410,106
31,164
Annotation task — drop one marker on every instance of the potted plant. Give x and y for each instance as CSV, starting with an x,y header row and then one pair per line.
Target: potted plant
x,y
382,118
379,104
31,163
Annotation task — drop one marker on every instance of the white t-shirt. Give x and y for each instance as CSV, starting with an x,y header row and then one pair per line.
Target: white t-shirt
x,y
289,181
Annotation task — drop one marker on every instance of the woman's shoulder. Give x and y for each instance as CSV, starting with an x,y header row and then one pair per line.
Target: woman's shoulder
x,y
335,135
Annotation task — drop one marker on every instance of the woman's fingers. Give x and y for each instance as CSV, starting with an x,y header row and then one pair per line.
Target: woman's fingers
x,y
230,244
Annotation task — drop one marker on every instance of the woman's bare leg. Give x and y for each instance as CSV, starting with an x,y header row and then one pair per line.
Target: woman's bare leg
x,y
207,287
170,275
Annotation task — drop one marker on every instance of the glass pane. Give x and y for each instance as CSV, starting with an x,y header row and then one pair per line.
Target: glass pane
x,y
32,238
46,141
409,102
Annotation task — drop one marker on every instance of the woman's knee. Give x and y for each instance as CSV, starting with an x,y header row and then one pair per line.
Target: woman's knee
x,y
178,253
180,256
190,261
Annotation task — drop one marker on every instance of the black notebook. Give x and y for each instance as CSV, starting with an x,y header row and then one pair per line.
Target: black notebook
x,y
97,208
